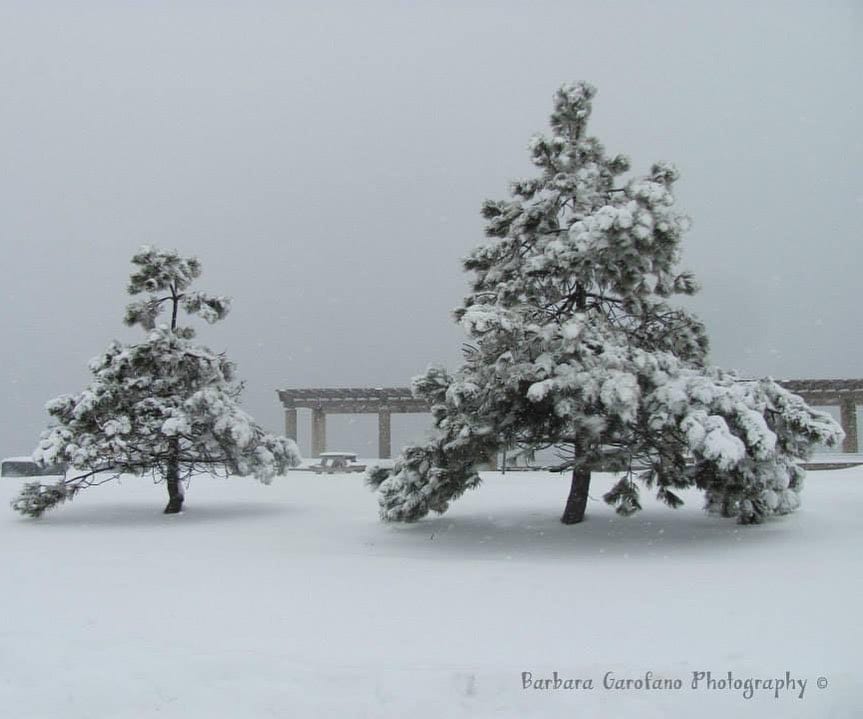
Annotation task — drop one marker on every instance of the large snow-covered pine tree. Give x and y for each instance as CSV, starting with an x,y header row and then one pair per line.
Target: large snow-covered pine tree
x,y
166,406
574,344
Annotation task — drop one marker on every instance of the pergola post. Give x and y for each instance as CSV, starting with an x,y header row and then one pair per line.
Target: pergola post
x,y
384,434
319,432
291,424
848,419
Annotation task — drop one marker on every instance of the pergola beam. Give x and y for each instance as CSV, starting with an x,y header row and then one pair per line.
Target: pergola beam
x,y
365,408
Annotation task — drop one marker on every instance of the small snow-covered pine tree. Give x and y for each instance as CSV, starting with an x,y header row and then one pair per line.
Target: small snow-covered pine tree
x,y
166,406
574,344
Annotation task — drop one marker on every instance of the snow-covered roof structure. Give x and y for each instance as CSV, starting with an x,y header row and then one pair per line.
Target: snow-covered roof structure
x,y
353,400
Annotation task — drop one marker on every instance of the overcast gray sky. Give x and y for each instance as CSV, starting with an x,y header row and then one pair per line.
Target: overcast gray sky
x,y
327,162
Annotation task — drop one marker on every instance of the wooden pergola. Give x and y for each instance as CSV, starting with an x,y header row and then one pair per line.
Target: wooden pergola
x,y
847,394
383,401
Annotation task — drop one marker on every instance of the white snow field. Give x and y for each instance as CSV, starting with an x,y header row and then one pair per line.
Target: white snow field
x,y
293,600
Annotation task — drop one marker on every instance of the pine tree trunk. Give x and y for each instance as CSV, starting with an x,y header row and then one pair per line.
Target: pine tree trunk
x,y
576,503
175,487
172,475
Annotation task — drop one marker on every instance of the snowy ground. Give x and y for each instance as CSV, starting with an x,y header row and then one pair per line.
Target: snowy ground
x,y
294,601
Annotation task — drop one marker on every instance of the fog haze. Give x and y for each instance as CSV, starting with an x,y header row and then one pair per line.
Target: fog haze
x,y
327,163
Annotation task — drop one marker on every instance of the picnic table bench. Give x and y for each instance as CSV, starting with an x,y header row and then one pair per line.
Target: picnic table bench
x,y
332,462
